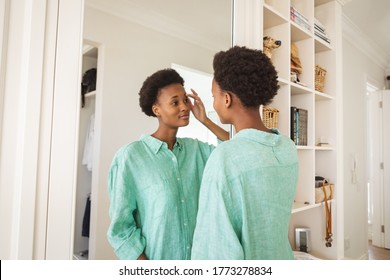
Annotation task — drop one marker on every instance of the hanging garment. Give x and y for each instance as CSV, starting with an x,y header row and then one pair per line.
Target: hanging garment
x,y
88,147
86,218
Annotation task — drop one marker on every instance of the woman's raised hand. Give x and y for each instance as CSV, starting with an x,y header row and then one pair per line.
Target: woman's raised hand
x,y
197,106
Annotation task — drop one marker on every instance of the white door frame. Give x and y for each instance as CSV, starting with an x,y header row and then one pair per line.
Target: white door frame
x,y
40,81
374,143
377,157
64,140
23,85
27,54
386,161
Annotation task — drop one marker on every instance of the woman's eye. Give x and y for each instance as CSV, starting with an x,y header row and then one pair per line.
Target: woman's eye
x,y
175,103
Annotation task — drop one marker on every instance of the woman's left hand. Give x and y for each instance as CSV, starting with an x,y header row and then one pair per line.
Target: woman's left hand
x,y
197,108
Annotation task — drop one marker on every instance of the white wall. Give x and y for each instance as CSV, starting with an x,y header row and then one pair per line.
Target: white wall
x,y
357,66
130,54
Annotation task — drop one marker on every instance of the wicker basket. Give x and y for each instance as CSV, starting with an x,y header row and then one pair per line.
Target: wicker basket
x,y
320,74
270,117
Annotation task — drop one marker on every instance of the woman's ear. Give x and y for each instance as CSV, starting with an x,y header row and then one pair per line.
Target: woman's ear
x,y
228,99
156,110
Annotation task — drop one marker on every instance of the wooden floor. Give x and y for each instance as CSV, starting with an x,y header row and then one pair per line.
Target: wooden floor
x,y
376,253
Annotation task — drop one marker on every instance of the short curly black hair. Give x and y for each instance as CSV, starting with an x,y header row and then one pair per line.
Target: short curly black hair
x,y
152,86
247,73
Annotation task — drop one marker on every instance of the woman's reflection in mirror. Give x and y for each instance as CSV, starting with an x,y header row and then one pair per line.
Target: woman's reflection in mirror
x,y
154,182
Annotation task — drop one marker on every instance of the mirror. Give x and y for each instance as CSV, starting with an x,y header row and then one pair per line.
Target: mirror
x,y
129,40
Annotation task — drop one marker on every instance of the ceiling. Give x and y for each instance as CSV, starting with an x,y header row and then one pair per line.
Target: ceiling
x,y
203,22
372,18
202,15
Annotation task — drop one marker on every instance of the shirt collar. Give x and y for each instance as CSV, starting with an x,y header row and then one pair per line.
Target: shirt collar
x,y
269,139
179,143
155,144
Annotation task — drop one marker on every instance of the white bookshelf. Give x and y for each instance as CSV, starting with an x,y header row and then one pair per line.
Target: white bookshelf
x,y
322,108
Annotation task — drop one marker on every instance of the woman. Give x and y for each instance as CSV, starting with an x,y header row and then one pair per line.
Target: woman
x,y
154,182
249,182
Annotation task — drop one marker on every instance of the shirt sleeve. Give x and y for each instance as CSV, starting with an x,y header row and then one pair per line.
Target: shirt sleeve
x,y
206,148
217,231
123,234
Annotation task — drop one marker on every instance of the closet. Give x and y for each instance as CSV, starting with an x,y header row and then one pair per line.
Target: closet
x,y
85,159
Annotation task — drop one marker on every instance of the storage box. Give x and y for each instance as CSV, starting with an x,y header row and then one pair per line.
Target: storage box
x,y
320,74
270,117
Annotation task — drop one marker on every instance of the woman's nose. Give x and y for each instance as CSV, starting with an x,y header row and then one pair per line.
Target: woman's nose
x,y
184,107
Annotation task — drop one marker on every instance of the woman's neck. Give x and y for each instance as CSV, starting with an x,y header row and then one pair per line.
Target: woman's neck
x,y
166,135
249,119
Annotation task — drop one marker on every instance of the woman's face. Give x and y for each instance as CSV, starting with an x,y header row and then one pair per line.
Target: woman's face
x,y
172,107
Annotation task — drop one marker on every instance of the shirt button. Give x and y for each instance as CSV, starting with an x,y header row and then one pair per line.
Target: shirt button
x,y
182,201
178,179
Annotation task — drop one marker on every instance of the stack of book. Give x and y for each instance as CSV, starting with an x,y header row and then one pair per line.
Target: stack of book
x,y
319,31
299,126
299,19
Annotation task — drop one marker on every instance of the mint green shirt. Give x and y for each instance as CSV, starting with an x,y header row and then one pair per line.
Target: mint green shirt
x,y
246,198
154,197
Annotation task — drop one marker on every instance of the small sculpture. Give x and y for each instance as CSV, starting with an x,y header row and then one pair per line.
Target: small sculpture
x,y
296,65
269,44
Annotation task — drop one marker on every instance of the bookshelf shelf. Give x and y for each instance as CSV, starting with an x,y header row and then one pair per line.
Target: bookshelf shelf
x,y
301,147
318,148
298,33
322,96
272,17
299,89
299,207
321,45
283,82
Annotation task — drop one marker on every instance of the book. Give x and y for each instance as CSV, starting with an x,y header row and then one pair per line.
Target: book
x,y
319,24
298,129
296,13
293,124
302,126
320,31
299,18
322,36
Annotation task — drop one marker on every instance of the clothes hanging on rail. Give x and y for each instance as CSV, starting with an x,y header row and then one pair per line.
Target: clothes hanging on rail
x,y
88,147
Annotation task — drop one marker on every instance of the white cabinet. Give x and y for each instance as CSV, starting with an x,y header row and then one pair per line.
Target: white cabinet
x,y
293,22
